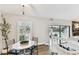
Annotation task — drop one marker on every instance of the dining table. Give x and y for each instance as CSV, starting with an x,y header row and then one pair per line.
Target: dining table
x,y
18,46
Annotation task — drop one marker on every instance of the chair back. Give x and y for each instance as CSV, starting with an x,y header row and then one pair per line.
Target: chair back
x,y
35,39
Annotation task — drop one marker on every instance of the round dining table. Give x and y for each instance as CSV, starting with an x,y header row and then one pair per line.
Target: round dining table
x,y
18,46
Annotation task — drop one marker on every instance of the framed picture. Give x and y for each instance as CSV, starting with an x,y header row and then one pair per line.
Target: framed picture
x,y
75,28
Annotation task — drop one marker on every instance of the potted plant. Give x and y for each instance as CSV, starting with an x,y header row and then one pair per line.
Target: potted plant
x,y
5,30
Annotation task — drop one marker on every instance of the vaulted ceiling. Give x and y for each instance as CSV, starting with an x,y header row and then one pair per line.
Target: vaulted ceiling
x,y
66,11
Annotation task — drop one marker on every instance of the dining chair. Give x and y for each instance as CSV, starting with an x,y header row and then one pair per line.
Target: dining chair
x,y
35,46
25,51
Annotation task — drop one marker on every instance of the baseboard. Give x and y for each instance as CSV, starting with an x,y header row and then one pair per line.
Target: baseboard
x,y
46,43
43,43
40,43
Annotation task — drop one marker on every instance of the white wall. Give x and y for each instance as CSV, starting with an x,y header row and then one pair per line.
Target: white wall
x,y
40,26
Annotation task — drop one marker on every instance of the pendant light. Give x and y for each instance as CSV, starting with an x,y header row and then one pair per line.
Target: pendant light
x,y
23,13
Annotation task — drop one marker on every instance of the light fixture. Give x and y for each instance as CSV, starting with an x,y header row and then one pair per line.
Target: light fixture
x,y
25,6
51,19
23,10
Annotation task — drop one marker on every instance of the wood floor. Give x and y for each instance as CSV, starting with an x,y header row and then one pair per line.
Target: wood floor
x,y
43,50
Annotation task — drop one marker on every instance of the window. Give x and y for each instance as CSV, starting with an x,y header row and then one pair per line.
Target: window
x,y
24,30
61,31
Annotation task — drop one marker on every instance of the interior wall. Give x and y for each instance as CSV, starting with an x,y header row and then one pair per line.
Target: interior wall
x,y
39,26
